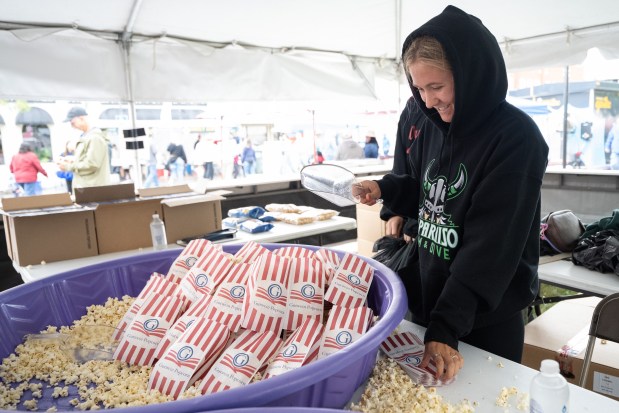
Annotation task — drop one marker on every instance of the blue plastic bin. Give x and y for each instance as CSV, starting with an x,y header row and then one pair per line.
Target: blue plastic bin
x,y
330,383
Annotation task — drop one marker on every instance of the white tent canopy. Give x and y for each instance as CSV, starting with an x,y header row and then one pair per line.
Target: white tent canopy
x,y
213,50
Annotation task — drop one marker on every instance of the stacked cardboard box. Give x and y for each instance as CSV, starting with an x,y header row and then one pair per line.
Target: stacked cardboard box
x,y
369,228
561,334
48,228
103,219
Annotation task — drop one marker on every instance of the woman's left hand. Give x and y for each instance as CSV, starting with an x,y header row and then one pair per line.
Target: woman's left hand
x,y
448,360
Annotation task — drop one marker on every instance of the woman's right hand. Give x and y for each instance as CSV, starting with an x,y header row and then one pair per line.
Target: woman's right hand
x,y
367,192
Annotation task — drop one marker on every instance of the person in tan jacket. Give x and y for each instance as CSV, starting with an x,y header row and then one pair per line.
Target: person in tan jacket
x,y
91,163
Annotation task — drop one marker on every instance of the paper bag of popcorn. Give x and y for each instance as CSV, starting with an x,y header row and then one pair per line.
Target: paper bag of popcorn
x,y
407,350
239,363
188,257
294,252
267,294
195,311
305,292
296,350
157,284
206,274
139,342
172,373
250,252
344,327
330,261
351,282
226,306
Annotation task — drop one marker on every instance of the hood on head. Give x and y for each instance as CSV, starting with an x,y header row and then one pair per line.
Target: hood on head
x,y
480,76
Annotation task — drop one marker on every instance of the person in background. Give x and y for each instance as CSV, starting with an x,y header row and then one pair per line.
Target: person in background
x,y
69,152
90,164
386,145
25,166
349,149
475,188
611,147
152,179
248,157
370,150
176,162
319,157
205,153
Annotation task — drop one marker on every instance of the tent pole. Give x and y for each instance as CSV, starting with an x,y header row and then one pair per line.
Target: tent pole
x,y
566,94
126,47
125,41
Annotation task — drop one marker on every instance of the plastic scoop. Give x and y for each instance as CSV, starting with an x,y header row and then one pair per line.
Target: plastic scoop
x,y
333,183
83,343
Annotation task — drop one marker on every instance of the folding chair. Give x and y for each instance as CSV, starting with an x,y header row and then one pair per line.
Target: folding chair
x,y
604,325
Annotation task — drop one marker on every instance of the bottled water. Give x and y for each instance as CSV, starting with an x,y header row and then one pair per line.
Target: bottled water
x,y
549,390
157,232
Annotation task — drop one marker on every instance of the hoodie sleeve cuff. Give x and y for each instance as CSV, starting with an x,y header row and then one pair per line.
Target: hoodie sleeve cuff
x,y
439,332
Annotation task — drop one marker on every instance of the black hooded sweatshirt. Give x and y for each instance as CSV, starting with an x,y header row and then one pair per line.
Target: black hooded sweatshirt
x,y
475,189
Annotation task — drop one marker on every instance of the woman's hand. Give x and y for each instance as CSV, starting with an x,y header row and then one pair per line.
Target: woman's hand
x,y
394,225
448,361
367,192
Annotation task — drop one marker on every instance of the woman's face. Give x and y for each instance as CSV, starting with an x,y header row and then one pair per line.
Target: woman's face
x,y
436,87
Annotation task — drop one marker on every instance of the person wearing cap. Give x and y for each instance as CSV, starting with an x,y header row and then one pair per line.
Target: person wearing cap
x,y
370,150
91,163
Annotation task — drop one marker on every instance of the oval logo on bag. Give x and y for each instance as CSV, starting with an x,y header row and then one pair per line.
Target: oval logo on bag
x,y
240,360
237,292
414,360
151,324
201,280
290,351
184,353
190,261
344,338
353,279
308,291
275,291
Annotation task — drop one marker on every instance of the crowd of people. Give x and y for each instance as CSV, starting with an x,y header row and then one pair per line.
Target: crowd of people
x,y
92,159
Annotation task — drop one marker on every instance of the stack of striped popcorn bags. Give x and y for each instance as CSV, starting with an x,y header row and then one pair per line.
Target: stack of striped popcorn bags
x,y
218,320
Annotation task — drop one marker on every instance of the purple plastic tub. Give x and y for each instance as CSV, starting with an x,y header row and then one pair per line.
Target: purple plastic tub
x,y
330,383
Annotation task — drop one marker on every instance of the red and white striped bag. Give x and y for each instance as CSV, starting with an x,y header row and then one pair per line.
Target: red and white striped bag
x,y
250,252
239,363
139,342
351,282
158,284
206,274
267,294
306,280
172,373
296,350
195,311
187,258
344,327
226,305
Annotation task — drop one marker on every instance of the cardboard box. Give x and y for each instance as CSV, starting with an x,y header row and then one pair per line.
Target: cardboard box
x,y
122,220
185,213
561,334
48,228
369,228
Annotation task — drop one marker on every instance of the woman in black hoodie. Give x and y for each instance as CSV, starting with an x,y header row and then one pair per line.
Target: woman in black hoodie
x,y
476,173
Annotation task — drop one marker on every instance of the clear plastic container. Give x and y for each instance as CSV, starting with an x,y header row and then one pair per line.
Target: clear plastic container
x,y
157,232
549,391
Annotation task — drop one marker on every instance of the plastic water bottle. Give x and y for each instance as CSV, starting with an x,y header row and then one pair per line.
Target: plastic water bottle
x,y
157,232
549,390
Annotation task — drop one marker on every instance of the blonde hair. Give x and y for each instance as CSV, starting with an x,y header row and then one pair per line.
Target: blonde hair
x,y
428,50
